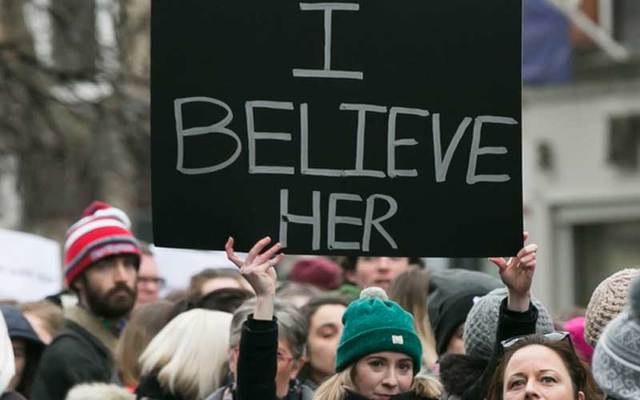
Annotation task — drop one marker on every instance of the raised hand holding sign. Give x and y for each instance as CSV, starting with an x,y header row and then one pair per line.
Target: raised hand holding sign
x,y
517,274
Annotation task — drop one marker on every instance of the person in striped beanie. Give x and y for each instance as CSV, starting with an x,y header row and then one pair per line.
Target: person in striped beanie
x,y
96,243
102,231
101,260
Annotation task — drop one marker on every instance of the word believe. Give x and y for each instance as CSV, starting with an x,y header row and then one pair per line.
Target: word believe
x,y
441,161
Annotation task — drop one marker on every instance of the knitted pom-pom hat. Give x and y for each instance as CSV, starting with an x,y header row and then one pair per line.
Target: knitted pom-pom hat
x,y
481,326
616,361
373,324
102,231
607,301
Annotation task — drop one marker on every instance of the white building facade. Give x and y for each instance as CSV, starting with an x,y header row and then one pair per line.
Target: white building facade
x,y
581,146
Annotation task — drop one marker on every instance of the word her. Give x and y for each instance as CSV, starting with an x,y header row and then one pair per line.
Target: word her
x,y
333,219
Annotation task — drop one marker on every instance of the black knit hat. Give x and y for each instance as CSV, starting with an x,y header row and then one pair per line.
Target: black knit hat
x,y
451,295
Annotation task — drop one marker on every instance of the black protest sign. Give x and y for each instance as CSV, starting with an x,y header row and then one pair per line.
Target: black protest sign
x,y
360,127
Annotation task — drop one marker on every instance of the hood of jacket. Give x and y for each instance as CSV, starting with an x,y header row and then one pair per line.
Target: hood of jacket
x,y
19,328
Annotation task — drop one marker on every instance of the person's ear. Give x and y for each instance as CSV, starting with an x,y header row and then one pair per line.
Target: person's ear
x,y
78,285
297,366
580,395
349,276
233,360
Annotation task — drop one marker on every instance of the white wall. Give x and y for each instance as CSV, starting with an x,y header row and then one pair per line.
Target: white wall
x,y
581,186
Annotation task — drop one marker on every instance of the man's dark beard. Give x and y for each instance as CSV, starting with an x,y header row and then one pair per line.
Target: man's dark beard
x,y
112,305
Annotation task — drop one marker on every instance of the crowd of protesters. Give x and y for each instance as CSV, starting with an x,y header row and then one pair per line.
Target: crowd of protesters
x,y
348,328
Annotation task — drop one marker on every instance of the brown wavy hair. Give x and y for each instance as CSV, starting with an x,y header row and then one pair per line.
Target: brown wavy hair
x,y
580,374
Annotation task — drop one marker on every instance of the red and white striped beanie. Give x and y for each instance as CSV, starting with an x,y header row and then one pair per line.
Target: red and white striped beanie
x,y
102,231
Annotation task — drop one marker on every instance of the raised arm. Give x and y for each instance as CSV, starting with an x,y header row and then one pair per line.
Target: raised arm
x,y
258,270
517,275
517,317
257,358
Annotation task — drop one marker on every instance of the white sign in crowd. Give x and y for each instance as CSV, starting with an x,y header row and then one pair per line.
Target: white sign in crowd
x,y
29,266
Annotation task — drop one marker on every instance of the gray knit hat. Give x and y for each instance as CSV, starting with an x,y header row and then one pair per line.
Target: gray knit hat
x,y
616,361
607,301
481,326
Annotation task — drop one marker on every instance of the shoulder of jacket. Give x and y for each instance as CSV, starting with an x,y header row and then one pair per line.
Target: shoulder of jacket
x,y
306,393
74,349
75,332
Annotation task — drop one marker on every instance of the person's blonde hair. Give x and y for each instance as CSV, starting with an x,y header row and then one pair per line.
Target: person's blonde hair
x,y
145,322
185,358
336,387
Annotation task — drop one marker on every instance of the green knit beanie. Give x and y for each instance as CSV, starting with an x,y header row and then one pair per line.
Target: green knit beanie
x,y
373,324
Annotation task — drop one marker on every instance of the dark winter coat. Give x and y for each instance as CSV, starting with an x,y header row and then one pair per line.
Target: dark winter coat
x,y
81,353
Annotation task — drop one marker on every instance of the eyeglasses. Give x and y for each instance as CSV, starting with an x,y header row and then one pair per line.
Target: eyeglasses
x,y
156,280
553,336
283,357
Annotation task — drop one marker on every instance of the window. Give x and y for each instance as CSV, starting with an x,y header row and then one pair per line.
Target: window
x,y
600,250
77,39
624,141
626,28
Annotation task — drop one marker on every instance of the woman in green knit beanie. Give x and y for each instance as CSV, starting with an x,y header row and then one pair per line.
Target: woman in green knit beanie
x,y
379,354
378,357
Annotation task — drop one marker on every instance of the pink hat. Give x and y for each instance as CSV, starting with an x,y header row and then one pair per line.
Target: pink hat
x,y
575,327
102,231
318,271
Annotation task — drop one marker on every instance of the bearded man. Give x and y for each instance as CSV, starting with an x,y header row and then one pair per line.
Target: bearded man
x,y
101,259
